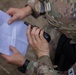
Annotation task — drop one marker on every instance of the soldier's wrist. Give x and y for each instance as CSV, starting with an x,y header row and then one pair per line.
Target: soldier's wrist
x,y
22,62
46,60
30,4
27,10
43,54
24,66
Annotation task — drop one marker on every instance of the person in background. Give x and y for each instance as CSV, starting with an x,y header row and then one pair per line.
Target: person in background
x,y
61,17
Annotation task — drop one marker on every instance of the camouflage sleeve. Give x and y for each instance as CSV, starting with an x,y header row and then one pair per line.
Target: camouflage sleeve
x,y
32,4
45,66
42,67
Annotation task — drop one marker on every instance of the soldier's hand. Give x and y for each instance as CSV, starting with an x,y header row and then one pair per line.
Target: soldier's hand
x,y
18,13
37,41
16,58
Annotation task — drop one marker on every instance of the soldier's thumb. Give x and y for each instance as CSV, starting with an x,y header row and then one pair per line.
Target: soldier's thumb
x,y
12,19
13,49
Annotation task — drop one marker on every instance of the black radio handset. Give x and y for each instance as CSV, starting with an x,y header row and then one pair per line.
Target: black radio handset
x,y
46,35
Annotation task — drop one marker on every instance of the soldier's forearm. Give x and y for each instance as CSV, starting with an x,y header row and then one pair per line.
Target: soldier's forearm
x,y
27,10
43,59
31,4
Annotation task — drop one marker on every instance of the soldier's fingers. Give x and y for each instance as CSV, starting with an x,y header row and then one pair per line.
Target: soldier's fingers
x,y
5,56
12,19
10,11
13,49
28,33
37,35
41,35
33,34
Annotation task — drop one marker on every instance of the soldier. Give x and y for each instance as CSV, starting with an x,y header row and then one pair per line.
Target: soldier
x,y
61,17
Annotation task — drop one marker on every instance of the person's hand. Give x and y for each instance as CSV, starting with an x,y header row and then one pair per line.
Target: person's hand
x,y
16,58
18,13
37,41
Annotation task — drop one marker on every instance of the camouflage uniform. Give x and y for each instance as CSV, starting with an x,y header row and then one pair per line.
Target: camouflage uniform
x,y
61,17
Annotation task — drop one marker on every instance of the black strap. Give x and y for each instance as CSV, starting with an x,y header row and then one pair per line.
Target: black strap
x,y
24,66
65,55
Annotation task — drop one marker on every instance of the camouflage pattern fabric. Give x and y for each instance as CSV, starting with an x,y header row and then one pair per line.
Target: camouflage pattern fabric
x,y
41,67
61,17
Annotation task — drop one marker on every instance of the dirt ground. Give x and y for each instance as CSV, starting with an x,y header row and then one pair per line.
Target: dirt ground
x,y
5,68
